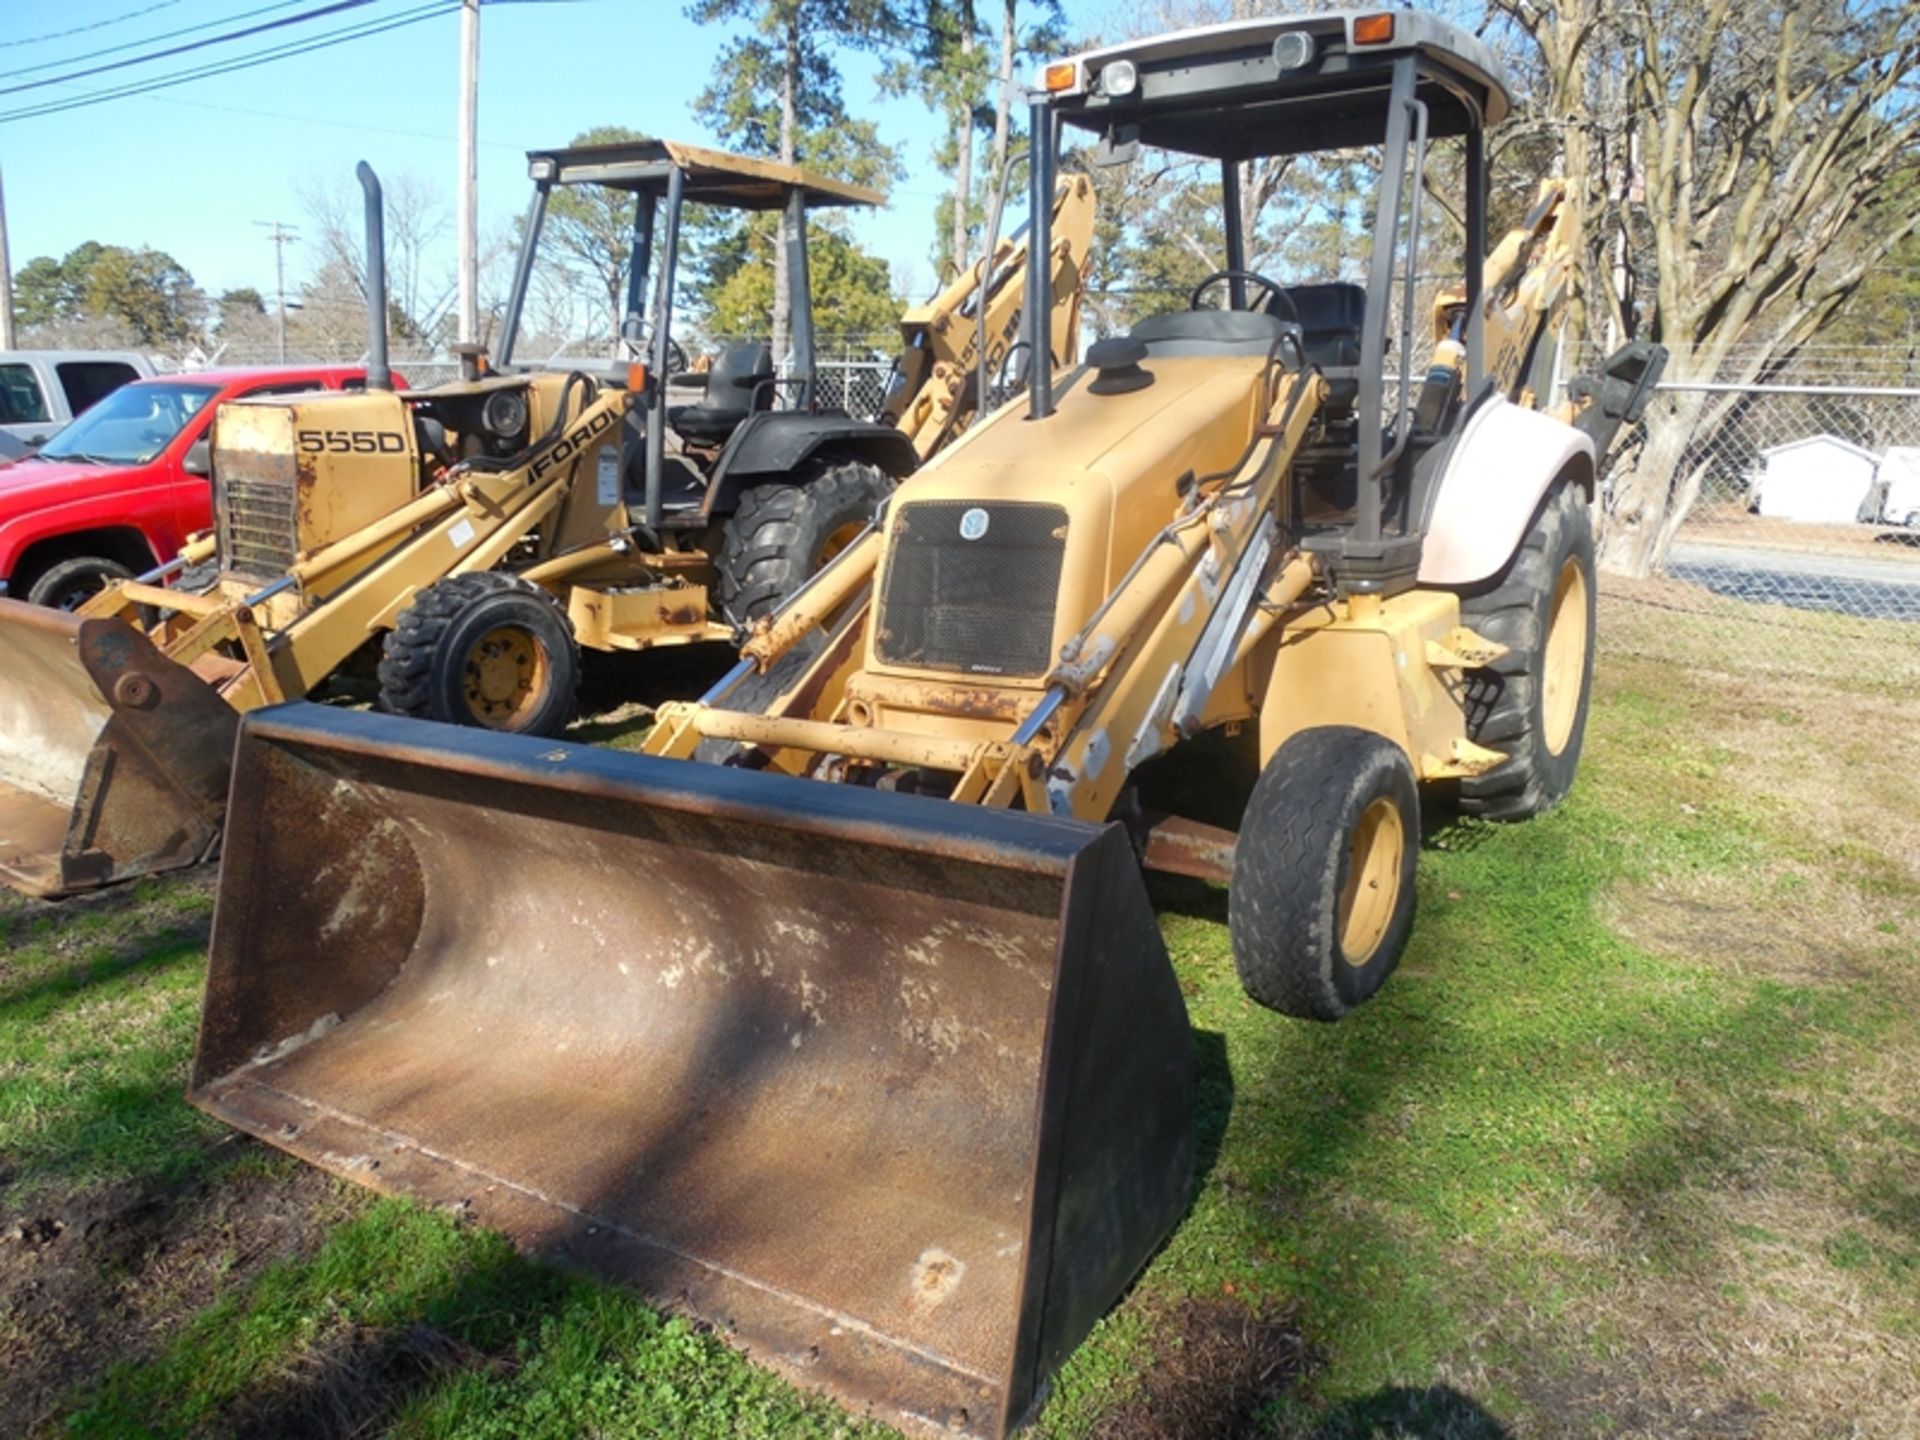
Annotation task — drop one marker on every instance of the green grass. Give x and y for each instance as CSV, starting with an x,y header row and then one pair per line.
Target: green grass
x,y
98,1005
1552,1175
441,1330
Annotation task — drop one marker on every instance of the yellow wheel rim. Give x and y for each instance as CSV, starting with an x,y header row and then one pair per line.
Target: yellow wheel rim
x,y
1372,891
838,541
1564,670
506,677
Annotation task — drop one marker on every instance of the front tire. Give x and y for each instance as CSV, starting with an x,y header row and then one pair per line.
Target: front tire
x,y
71,583
1321,903
486,650
1531,703
782,534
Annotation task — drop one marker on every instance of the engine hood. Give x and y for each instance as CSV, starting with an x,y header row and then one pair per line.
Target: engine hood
x,y
1009,539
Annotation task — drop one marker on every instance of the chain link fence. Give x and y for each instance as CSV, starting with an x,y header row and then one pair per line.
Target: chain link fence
x,y
1801,500
1801,521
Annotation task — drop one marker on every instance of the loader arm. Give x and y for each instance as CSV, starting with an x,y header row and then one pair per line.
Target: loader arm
x,y
114,761
1138,676
1524,283
935,396
467,522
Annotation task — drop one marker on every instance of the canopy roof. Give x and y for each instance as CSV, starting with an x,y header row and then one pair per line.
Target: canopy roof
x,y
712,177
1221,90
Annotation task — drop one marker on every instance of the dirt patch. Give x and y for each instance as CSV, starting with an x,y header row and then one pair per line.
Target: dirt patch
x,y
1819,935
1618,1404
1755,1333
1216,1367
102,1275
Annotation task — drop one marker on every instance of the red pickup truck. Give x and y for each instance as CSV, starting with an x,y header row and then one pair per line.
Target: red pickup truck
x,y
118,491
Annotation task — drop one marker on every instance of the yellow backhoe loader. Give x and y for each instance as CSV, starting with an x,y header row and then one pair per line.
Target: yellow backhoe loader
x,y
862,1043
465,542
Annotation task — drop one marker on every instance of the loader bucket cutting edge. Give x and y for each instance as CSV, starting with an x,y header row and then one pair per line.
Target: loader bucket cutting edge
x,y
113,759
895,1092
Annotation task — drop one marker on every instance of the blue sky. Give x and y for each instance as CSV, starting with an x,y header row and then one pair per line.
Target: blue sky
x,y
189,170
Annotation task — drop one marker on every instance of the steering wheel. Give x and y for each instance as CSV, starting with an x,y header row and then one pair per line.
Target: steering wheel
x,y
1272,287
639,341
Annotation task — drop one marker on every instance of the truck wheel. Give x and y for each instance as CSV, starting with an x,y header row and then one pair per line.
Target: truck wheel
x,y
486,650
71,583
782,534
1322,896
1531,703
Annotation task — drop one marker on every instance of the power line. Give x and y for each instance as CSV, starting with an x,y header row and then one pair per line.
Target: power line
x,y
227,67
329,121
83,29
320,13
284,51
151,39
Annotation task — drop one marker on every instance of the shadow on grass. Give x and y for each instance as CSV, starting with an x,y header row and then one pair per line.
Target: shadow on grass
x,y
1739,1125
1398,1412
139,1131
24,920
153,951
395,1302
358,1378
1212,1102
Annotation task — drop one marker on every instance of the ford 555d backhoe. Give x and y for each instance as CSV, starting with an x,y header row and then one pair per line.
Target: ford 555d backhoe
x,y
469,540
862,1042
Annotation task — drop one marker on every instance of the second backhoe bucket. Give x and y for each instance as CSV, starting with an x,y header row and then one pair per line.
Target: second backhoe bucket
x,y
896,1093
113,759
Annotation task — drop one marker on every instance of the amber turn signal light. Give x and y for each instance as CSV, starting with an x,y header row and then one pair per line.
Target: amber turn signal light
x,y
1373,30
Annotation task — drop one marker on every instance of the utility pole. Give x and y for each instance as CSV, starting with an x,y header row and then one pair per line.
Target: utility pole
x,y
6,278
280,234
468,204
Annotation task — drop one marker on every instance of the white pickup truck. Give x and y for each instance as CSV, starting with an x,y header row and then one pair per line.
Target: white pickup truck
x,y
41,390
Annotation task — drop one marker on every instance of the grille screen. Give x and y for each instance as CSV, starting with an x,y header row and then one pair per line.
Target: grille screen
x,y
256,525
972,588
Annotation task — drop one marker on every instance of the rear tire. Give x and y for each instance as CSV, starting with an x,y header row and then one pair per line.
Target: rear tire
x,y
1321,903
487,650
1531,703
71,583
782,534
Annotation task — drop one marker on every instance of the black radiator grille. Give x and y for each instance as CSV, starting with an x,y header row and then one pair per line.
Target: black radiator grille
x,y
256,525
981,605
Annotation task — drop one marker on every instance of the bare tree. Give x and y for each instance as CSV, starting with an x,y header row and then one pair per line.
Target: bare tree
x,y
1743,169
420,275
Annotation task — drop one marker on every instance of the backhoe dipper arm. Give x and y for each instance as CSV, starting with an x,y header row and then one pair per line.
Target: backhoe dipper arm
x,y
933,397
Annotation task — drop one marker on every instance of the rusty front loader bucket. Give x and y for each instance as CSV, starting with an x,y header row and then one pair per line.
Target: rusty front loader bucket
x,y
895,1092
113,759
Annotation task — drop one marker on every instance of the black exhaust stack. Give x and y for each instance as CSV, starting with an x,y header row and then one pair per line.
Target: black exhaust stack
x,y
379,373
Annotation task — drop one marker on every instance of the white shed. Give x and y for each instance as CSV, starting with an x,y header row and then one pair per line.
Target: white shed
x,y
1821,478
1900,485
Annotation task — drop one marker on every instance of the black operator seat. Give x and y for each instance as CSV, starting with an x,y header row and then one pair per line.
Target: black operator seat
x,y
736,387
1208,332
1333,316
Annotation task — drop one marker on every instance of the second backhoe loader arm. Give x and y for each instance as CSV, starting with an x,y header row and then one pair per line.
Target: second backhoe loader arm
x,y
933,395
1522,284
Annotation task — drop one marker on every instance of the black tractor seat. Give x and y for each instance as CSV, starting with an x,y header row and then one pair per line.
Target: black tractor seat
x,y
738,385
1333,316
1208,332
